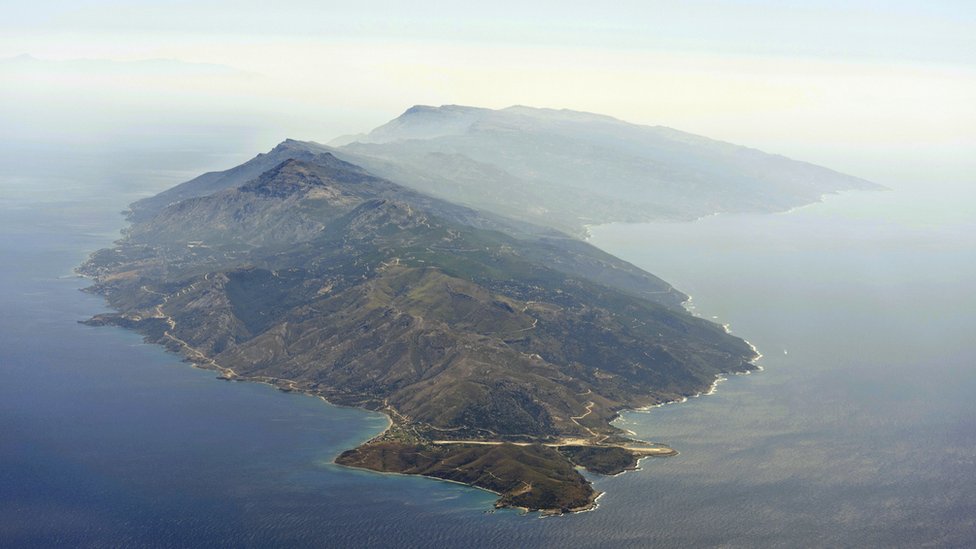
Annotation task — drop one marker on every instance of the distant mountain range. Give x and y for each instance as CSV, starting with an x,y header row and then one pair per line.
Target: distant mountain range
x,y
500,347
559,168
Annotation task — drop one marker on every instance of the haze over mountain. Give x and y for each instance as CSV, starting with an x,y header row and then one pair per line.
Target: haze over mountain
x,y
557,168
500,350
568,169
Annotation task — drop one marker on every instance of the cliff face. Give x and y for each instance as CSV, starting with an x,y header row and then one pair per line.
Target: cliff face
x,y
497,348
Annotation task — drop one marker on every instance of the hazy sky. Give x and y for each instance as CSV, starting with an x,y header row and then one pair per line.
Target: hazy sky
x,y
854,84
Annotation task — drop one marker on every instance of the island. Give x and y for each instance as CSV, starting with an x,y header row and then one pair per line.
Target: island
x,y
500,350
499,343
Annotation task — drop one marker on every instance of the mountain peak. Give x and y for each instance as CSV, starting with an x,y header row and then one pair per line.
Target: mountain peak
x,y
568,169
427,122
294,165
430,109
300,174
418,109
293,145
288,177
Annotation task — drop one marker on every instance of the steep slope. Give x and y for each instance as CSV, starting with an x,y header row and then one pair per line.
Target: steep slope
x,y
258,213
500,359
212,182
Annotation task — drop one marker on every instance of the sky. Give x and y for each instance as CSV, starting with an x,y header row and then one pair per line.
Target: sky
x,y
885,90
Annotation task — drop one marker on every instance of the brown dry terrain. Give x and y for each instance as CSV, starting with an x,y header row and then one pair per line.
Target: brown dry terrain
x,y
501,351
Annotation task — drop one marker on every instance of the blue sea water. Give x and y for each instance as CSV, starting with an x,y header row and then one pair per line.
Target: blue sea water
x,y
861,430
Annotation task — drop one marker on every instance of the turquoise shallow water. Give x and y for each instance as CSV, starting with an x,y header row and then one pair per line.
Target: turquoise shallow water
x,y
860,431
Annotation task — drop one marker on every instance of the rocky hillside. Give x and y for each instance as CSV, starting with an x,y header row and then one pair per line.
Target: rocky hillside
x,y
487,341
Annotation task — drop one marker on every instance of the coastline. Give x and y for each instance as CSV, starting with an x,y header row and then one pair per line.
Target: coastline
x,y
291,386
543,513
191,357
200,360
691,309
687,303
591,506
587,233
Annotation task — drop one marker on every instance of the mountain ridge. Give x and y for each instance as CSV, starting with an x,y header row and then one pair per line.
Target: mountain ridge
x,y
561,169
568,169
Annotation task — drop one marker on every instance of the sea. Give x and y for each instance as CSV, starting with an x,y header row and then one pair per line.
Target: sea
x,y
860,430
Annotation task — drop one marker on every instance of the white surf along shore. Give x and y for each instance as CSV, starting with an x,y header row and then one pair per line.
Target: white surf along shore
x,y
689,306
